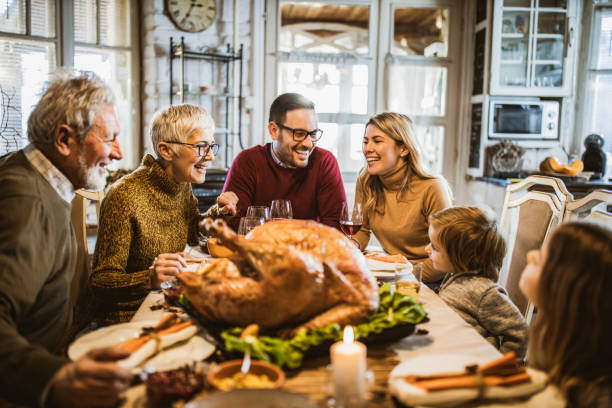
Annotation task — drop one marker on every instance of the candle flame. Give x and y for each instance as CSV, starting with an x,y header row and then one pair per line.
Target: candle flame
x,y
349,335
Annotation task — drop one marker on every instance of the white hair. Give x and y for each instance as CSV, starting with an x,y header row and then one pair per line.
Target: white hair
x,y
70,98
176,122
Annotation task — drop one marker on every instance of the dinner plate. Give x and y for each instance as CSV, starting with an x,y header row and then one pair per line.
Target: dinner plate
x,y
431,364
388,267
253,399
195,349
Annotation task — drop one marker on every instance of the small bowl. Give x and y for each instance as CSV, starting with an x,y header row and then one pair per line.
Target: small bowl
x,y
230,368
216,250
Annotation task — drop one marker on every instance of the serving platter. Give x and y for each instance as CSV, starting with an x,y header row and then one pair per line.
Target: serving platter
x,y
218,334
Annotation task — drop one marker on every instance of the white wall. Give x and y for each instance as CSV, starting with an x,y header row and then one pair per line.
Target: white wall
x,y
157,29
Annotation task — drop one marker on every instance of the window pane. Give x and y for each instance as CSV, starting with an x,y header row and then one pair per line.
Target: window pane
x,y
43,18
315,27
551,23
417,90
85,21
602,95
115,68
604,59
12,17
114,22
329,86
24,67
344,141
513,62
420,31
431,140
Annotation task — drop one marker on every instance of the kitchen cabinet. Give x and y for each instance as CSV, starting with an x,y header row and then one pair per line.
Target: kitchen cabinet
x,y
533,47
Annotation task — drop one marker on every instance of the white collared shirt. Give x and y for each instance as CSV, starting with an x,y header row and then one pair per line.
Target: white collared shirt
x,y
56,178
277,160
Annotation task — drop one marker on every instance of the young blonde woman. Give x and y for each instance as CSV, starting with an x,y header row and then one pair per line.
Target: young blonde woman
x,y
396,194
149,216
569,281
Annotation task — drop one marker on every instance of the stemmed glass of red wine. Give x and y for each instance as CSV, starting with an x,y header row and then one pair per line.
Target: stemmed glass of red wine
x,y
350,221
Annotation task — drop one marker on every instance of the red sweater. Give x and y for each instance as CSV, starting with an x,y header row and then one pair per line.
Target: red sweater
x,y
316,191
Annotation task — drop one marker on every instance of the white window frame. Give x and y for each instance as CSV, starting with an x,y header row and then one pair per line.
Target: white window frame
x,y
273,56
588,69
452,62
380,34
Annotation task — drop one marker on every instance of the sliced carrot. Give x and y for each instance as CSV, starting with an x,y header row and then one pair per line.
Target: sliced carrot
x,y
508,359
175,328
134,344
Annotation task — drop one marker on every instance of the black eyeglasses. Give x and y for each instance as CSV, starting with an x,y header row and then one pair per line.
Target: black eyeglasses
x,y
203,148
300,134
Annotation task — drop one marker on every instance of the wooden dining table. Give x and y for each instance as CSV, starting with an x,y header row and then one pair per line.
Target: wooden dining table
x,y
444,333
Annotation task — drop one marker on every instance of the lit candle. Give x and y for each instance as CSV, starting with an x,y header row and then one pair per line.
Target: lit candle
x,y
348,358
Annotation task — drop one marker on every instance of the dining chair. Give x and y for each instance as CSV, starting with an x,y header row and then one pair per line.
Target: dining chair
x,y
528,216
600,217
582,207
80,290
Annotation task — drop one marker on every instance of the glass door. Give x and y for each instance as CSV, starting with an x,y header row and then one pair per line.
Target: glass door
x,y
421,73
531,47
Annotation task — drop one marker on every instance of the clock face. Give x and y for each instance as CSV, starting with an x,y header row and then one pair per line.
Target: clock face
x,y
192,15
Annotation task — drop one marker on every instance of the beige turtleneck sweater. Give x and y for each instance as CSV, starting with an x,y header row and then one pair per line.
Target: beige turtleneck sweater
x,y
402,226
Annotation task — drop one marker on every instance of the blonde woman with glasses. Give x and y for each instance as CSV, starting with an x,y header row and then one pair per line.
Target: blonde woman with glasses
x,y
149,216
396,193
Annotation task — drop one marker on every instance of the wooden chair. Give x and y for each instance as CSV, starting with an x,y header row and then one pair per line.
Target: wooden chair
x,y
581,208
600,217
80,290
527,219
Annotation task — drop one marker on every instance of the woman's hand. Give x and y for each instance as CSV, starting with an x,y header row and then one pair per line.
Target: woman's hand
x,y
167,267
227,203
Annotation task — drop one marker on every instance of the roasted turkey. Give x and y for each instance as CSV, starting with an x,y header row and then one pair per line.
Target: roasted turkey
x,y
285,273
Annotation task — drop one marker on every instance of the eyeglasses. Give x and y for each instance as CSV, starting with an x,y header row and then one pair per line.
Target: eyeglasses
x,y
203,148
300,134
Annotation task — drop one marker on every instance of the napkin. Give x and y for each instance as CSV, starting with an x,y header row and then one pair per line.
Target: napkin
x,y
168,331
444,380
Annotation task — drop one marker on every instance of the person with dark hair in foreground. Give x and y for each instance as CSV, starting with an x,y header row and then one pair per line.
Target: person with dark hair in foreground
x,y
291,167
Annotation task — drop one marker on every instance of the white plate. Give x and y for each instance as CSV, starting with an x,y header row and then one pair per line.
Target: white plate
x,y
253,399
431,364
195,349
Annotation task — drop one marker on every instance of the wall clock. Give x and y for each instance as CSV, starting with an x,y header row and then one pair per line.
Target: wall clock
x,y
192,15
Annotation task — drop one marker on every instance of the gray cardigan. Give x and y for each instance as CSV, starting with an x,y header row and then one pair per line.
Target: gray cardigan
x,y
486,306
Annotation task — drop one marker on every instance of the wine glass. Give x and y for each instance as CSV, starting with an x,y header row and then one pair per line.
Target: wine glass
x,y
281,209
350,221
259,211
248,223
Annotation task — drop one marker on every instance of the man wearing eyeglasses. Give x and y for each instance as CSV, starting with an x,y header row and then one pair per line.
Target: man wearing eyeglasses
x,y
73,133
291,167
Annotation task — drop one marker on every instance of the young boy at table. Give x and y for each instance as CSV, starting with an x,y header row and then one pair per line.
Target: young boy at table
x,y
569,280
466,244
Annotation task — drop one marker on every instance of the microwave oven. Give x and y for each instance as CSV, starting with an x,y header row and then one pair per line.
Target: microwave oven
x,y
523,119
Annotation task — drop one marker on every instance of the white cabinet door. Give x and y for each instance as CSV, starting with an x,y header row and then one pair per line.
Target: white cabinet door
x,y
533,47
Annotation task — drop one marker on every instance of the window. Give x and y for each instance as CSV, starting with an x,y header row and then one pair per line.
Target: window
x,y
325,54
30,48
28,52
355,58
598,92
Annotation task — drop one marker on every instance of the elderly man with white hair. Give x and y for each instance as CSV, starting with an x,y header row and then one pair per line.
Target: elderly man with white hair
x,y
149,216
73,133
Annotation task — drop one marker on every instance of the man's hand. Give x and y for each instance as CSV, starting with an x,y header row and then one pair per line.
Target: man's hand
x,y
94,380
227,203
167,267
